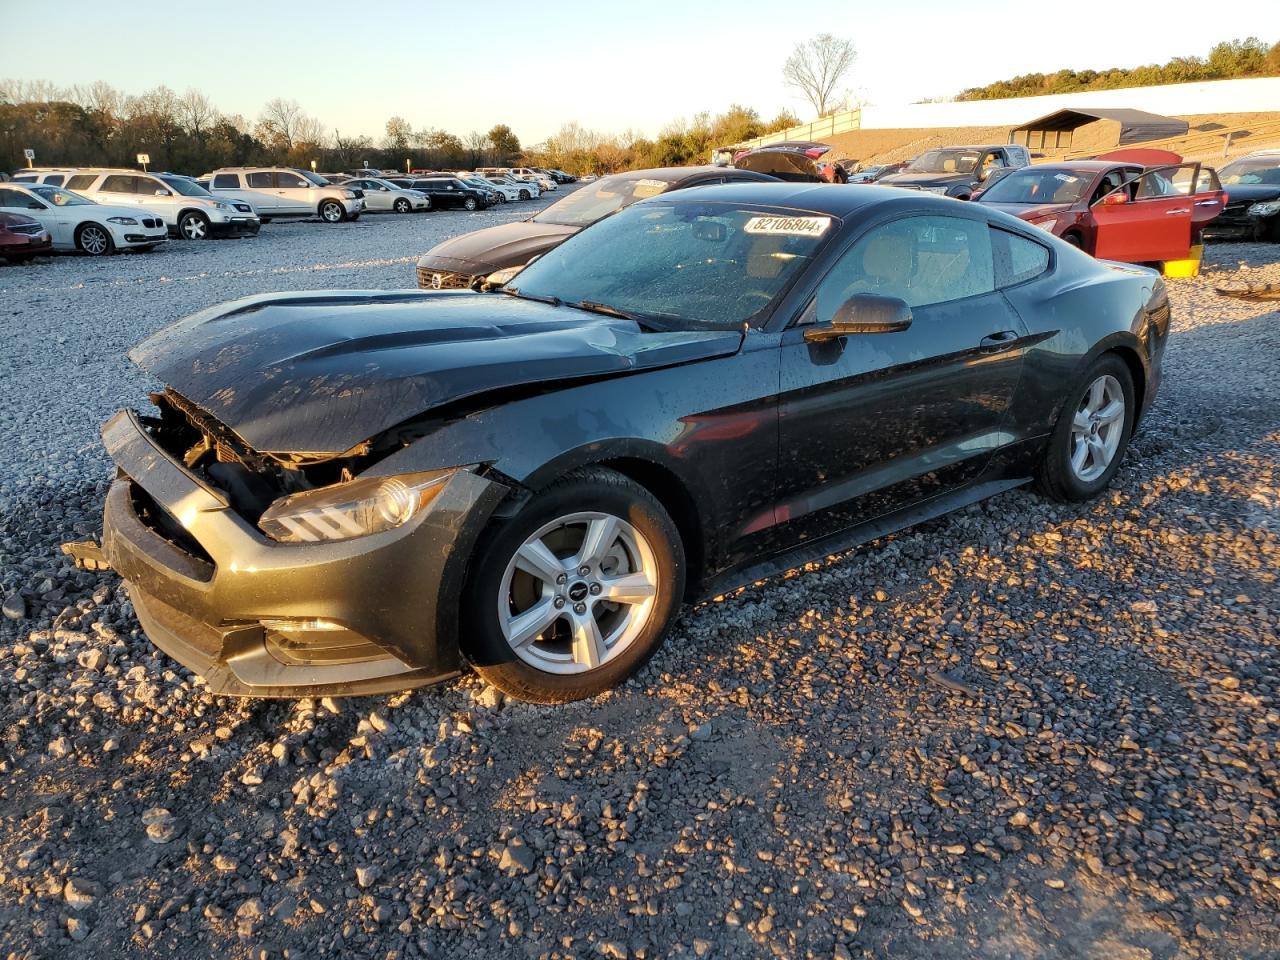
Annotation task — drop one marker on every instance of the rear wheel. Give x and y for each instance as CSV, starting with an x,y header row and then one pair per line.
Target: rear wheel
x,y
331,211
94,239
193,226
1092,432
402,205
575,593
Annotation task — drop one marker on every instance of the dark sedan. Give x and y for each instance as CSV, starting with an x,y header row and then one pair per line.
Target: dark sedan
x,y
22,238
451,193
466,261
357,491
1253,199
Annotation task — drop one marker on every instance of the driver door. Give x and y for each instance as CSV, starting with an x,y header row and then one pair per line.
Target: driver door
x,y
1148,220
872,423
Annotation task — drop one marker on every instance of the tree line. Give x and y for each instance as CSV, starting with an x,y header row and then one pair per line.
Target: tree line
x,y
1229,60
98,125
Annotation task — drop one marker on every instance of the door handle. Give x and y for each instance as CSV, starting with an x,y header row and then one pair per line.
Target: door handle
x,y
997,341
1206,203
1170,213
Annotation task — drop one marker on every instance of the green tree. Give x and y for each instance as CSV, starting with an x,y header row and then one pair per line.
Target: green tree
x,y
506,145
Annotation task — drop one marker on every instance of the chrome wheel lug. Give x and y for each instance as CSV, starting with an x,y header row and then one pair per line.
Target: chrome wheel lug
x,y
562,579
595,589
583,570
579,608
558,603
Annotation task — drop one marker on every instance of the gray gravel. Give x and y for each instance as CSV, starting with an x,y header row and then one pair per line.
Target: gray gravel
x,y
1024,731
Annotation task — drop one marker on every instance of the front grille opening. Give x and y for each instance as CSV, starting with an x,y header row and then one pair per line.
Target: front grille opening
x,y
160,521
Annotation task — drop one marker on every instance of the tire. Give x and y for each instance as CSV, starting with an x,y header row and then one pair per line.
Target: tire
x,y
331,211
1074,240
566,659
1104,437
469,203
193,226
502,198
264,219
402,206
94,239
524,194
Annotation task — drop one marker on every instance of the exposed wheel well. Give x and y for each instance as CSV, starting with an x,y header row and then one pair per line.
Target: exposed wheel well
x,y
677,501
1136,370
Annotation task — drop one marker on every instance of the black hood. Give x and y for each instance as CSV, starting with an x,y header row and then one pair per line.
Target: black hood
x,y
922,180
1252,192
321,373
493,248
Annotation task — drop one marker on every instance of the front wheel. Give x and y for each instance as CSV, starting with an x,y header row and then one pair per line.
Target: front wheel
x,y
331,211
1092,432
94,240
194,226
403,206
524,194
576,592
469,203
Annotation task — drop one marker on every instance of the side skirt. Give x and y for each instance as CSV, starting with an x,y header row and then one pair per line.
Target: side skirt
x,y
850,537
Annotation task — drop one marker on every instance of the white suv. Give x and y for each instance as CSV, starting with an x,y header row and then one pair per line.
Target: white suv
x,y
186,208
286,192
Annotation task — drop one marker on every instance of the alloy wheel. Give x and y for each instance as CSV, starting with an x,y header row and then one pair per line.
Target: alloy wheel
x,y
94,240
194,227
577,593
331,212
1097,428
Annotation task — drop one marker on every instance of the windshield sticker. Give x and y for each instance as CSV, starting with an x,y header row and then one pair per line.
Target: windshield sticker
x,y
788,226
1065,177
648,188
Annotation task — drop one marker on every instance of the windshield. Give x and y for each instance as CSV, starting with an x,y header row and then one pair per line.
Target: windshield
x,y
188,188
596,202
1264,170
1038,186
944,161
315,178
683,264
59,197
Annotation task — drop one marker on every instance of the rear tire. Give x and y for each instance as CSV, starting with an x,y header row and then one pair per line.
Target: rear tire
x,y
576,642
331,211
1091,435
94,239
193,226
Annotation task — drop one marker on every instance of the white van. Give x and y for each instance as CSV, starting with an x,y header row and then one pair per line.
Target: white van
x,y
286,192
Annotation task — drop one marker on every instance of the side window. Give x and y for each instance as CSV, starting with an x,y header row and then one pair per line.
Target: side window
x,y
15,199
922,260
260,180
81,181
54,179
151,188
226,181
1016,258
290,181
118,183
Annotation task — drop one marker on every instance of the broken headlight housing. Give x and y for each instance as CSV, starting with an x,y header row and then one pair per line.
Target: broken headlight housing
x,y
505,275
356,508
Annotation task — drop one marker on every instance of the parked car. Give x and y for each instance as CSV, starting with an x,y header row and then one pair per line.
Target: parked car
x,y
497,253
188,210
525,190
77,223
1253,205
279,192
504,191
22,238
1114,210
958,171
450,192
877,171
796,161
387,197
702,390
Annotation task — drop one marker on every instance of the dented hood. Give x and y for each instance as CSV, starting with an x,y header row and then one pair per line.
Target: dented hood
x,y
494,248
321,373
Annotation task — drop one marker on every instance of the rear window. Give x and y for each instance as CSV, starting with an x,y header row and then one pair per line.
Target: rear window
x,y
226,181
54,179
81,181
1016,258
117,183
260,179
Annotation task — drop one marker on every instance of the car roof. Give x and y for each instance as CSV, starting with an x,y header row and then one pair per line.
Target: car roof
x,y
1081,166
837,200
667,174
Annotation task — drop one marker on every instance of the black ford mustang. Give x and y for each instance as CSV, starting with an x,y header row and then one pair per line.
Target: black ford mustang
x,y
360,491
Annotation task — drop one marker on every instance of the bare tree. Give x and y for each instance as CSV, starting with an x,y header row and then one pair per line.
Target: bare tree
x,y
279,122
399,133
816,67
197,113
477,143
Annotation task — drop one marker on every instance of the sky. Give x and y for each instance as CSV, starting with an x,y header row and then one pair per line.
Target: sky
x,y
609,66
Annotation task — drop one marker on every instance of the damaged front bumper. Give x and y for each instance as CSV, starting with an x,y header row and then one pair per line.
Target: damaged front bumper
x,y
259,618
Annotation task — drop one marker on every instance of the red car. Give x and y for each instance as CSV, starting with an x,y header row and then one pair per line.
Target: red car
x,y
22,238
1115,207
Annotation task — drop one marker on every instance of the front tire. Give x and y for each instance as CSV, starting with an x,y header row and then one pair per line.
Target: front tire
x,y
524,194
331,211
94,239
193,226
1092,433
469,203
576,592
403,206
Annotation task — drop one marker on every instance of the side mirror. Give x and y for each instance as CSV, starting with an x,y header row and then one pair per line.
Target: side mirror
x,y
1115,199
863,313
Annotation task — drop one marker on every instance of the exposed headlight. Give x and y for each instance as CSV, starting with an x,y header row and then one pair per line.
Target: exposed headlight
x,y
123,221
934,189
1267,208
354,509
505,275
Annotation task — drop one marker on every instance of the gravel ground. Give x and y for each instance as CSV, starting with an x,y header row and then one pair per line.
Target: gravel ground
x,y
1025,730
